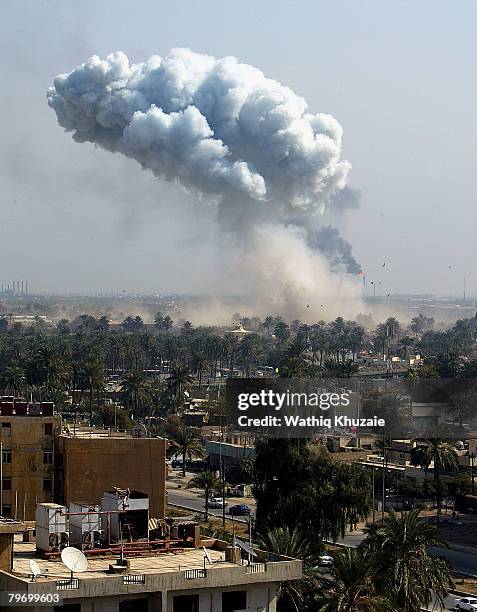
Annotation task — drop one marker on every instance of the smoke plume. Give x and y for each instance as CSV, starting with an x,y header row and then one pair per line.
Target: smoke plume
x,y
243,142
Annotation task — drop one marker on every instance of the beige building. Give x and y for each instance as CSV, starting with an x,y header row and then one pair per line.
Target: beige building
x,y
88,466
27,441
186,580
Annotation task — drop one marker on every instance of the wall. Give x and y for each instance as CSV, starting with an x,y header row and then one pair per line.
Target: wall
x,y
90,466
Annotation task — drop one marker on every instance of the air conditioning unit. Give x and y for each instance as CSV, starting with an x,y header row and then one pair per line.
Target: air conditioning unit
x,y
57,541
90,539
51,527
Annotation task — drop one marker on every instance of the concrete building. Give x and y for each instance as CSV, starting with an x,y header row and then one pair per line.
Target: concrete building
x,y
88,466
181,580
227,452
27,441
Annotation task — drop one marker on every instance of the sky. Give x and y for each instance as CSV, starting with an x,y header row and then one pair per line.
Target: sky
x,y
398,75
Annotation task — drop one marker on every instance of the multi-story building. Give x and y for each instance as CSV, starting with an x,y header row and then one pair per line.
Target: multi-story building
x,y
87,466
27,443
210,576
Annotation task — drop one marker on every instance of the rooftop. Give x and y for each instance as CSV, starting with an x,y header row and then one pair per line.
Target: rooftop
x,y
99,565
149,572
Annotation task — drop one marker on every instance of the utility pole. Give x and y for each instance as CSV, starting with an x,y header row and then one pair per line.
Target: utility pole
x,y
374,499
1,478
222,473
223,493
385,467
472,457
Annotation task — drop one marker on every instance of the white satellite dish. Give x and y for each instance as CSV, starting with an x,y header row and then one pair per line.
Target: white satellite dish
x,y
35,569
207,556
244,546
74,559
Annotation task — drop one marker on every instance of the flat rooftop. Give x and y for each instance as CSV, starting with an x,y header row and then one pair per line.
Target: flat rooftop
x,y
189,558
149,573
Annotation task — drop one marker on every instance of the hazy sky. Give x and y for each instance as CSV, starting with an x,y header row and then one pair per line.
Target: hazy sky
x,y
398,75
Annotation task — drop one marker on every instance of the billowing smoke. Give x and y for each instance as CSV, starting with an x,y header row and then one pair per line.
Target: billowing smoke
x,y
335,248
240,140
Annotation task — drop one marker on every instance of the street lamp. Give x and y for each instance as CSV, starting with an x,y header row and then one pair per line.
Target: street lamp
x,y
472,457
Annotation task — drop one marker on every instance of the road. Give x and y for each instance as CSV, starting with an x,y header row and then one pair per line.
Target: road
x,y
190,499
450,604
462,561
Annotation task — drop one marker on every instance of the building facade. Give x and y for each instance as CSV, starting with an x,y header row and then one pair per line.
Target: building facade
x,y
88,466
27,442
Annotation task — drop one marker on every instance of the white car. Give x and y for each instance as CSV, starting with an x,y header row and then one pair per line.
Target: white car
x,y
217,502
325,560
467,603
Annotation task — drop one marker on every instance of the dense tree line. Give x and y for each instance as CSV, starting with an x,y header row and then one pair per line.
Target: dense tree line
x,y
78,356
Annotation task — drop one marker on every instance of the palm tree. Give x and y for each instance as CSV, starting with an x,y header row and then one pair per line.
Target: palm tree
x,y
439,452
405,347
179,379
291,543
135,390
407,571
208,482
13,379
187,443
163,323
95,379
199,364
294,367
352,587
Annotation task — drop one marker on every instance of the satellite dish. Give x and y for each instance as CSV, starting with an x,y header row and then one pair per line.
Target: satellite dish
x,y
74,559
35,569
207,556
244,546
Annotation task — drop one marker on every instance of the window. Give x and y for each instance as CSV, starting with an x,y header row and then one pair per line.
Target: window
x,y
7,484
6,430
48,429
7,456
7,511
46,484
186,603
234,600
47,456
134,605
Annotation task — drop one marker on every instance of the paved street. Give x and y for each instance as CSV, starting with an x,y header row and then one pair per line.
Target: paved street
x,y
463,561
190,498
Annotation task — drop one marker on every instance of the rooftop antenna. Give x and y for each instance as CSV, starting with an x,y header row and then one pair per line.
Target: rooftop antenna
x,y
207,556
74,559
35,569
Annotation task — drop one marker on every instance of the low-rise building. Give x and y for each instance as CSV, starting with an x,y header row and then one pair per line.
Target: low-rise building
x,y
211,577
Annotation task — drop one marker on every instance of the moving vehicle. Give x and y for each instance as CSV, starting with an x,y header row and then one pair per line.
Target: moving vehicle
x,y
239,510
217,502
325,560
467,603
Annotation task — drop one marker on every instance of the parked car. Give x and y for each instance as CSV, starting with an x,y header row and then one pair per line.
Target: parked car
x,y
325,560
217,502
239,510
467,603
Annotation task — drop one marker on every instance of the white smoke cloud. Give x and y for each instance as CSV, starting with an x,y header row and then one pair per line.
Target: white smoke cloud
x,y
239,139
212,123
